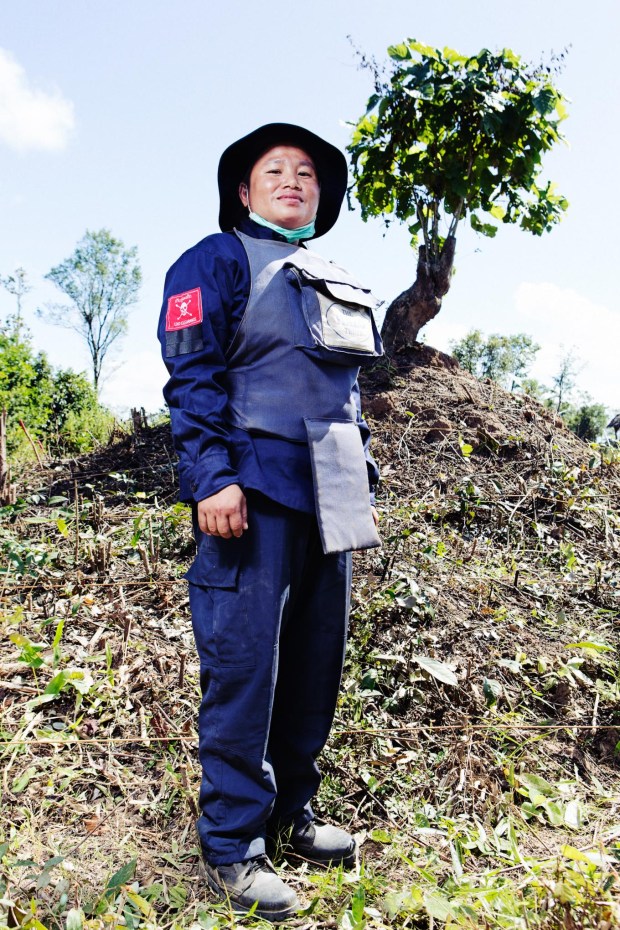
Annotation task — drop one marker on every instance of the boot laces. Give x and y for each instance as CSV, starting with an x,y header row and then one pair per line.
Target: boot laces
x,y
260,863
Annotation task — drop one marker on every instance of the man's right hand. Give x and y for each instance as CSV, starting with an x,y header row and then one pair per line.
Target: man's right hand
x,y
224,514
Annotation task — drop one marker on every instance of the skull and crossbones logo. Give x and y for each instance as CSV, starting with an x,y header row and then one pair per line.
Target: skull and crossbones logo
x,y
182,303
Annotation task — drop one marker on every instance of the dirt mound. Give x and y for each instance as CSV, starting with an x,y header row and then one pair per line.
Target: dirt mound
x,y
429,393
501,544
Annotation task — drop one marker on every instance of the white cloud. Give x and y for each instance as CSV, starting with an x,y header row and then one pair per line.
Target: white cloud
x,y
31,118
560,320
136,383
441,331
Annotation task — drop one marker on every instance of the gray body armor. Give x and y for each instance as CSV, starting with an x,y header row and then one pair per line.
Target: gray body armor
x,y
292,365
307,328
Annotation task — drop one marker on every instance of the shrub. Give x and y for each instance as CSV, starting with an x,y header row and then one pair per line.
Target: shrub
x,y
58,407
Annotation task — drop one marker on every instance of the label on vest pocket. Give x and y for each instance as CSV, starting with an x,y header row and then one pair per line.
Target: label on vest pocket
x,y
346,327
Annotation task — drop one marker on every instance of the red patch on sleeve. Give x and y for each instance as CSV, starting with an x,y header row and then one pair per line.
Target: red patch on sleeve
x,y
184,310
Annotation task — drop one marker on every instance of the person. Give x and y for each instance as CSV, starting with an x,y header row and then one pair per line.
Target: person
x,y
263,340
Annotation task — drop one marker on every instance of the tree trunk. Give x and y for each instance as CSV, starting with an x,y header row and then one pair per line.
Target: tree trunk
x,y
412,309
8,491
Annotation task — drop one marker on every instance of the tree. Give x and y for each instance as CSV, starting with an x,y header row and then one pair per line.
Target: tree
x,y
446,138
59,407
25,382
17,284
505,359
102,279
468,351
533,388
564,380
77,421
587,420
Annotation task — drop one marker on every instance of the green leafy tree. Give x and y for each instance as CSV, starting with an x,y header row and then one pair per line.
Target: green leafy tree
x,y
447,138
563,381
535,389
468,351
101,279
25,383
77,421
588,420
60,408
505,359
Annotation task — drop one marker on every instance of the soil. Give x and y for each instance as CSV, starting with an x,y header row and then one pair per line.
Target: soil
x,y
500,560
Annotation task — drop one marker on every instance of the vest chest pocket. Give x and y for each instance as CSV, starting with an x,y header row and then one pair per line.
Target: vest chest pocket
x,y
346,327
336,322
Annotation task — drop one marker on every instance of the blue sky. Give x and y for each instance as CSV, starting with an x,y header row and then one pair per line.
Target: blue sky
x,y
115,114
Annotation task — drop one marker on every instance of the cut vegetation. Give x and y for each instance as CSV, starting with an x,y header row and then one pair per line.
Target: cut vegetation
x,y
475,751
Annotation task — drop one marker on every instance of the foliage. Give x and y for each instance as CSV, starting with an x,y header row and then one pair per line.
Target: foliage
x,y
505,359
25,383
101,279
474,751
78,422
587,420
563,381
17,284
534,388
60,408
450,136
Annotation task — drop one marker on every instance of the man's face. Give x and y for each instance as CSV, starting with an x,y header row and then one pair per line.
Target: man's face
x,y
284,188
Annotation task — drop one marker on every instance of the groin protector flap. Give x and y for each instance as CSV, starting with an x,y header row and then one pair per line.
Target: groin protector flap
x,y
340,486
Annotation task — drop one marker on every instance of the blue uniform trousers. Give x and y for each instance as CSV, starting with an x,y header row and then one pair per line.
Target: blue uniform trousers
x,y
270,615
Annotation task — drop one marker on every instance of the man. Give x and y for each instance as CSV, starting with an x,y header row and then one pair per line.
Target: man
x,y
263,340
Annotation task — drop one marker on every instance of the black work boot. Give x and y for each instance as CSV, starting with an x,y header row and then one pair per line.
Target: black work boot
x,y
323,844
253,882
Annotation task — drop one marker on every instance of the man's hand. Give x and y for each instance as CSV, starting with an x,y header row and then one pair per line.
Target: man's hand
x,y
375,515
224,514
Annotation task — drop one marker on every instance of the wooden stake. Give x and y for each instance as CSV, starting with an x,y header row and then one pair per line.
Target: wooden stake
x,y
8,492
76,501
31,441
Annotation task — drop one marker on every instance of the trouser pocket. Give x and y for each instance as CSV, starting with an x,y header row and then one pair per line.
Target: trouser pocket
x,y
218,602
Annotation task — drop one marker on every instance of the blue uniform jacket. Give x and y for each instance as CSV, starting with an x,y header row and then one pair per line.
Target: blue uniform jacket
x,y
212,453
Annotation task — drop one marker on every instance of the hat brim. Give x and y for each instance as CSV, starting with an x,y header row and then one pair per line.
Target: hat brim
x,y
238,159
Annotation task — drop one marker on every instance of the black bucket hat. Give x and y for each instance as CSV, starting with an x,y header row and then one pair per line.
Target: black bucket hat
x,y
238,159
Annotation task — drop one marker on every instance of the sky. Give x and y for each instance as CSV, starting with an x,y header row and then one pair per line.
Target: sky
x,y
115,114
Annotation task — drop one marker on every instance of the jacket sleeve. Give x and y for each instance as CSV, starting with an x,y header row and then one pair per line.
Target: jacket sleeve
x,y
371,465
195,358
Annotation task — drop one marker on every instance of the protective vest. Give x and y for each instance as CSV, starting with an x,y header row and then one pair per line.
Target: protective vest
x,y
307,328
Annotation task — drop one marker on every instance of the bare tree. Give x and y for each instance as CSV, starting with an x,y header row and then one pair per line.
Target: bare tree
x,y
17,284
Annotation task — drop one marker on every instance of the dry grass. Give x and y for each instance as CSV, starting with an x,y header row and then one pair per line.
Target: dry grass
x,y
499,565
